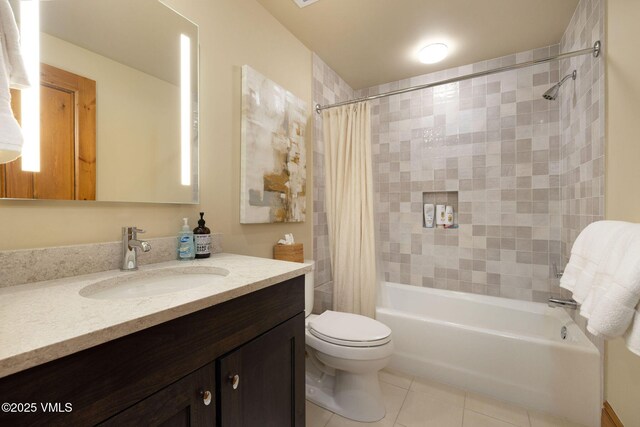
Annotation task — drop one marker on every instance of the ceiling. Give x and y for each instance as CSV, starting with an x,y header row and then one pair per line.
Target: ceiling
x,y
369,42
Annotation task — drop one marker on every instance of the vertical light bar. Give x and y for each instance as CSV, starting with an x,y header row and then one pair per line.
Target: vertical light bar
x,y
185,109
30,42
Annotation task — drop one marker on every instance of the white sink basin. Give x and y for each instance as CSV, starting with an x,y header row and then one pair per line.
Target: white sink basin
x,y
154,282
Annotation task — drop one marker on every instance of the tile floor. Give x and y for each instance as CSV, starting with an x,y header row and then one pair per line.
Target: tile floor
x,y
414,402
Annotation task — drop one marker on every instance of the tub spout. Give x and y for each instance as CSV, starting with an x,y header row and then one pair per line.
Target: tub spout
x,y
566,303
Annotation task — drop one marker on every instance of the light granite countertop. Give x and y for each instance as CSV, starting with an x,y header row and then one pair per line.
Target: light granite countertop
x,y
44,321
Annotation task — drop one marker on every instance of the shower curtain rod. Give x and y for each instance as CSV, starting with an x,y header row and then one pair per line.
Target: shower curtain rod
x,y
595,51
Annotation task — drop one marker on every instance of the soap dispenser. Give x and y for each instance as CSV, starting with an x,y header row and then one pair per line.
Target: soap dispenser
x,y
186,246
202,237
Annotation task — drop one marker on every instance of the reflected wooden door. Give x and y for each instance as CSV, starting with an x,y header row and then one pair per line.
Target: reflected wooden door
x,y
67,141
57,145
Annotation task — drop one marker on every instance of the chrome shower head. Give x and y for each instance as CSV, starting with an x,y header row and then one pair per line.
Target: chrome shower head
x,y
552,93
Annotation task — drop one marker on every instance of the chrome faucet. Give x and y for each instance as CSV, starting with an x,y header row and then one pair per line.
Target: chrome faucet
x,y
129,244
566,303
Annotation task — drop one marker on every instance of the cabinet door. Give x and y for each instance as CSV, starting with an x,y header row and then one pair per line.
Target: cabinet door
x,y
261,384
187,402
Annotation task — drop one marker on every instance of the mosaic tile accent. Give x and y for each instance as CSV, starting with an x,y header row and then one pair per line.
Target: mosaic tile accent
x,y
496,142
328,88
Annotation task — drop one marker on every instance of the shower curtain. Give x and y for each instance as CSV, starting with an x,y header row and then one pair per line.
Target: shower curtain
x,y
349,206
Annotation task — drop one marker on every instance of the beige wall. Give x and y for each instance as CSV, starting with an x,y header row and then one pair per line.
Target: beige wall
x,y
622,368
232,33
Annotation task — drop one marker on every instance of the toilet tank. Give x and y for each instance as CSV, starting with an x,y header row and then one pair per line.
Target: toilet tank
x,y
308,288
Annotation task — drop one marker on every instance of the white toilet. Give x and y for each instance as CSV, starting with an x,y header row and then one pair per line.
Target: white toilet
x,y
344,353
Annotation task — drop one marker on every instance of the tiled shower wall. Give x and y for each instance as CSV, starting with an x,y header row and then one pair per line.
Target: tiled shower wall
x,y
582,130
496,141
328,88
582,125
529,172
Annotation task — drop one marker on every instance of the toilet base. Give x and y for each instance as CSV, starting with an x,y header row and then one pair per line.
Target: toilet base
x,y
354,396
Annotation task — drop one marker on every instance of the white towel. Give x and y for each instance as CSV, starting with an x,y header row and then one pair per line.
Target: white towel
x,y
604,277
617,260
12,74
589,252
613,313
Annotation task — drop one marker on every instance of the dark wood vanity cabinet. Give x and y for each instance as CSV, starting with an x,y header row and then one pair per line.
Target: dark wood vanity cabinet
x,y
258,381
188,402
238,363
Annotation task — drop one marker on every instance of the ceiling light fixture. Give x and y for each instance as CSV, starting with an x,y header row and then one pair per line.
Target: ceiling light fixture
x,y
303,3
433,53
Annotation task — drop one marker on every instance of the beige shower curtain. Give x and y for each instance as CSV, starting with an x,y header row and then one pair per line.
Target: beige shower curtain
x,y
349,205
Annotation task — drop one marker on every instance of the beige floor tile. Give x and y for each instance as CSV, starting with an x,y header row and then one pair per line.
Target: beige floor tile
x,y
316,416
393,397
439,391
475,419
497,409
545,420
396,378
422,410
572,424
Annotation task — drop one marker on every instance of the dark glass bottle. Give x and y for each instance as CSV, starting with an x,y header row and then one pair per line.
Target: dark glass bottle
x,y
202,237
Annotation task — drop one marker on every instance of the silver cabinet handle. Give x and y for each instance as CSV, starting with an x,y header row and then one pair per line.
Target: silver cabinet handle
x,y
234,380
206,397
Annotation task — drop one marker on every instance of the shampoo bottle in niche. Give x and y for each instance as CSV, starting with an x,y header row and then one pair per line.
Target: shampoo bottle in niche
x,y
429,212
186,247
441,216
202,236
448,222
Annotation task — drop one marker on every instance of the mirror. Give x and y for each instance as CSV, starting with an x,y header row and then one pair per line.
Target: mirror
x,y
118,104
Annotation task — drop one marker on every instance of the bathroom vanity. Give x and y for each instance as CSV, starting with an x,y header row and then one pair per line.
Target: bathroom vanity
x,y
227,355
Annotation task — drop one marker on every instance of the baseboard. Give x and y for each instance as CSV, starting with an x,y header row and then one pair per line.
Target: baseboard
x,y
609,417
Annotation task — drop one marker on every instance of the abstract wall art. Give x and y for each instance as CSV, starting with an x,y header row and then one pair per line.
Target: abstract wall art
x,y
273,157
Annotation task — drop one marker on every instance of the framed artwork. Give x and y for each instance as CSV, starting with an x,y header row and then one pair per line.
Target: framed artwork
x,y
273,159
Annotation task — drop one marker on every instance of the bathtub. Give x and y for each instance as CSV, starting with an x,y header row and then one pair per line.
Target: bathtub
x,y
510,350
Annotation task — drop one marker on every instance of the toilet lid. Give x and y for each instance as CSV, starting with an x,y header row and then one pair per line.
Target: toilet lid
x,y
349,329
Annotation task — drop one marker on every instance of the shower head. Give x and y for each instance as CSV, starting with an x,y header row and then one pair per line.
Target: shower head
x,y
552,93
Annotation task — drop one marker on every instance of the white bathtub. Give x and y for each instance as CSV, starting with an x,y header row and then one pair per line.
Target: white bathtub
x,y
511,350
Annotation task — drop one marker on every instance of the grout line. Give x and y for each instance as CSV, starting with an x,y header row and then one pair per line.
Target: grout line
x,y
401,406
499,419
395,419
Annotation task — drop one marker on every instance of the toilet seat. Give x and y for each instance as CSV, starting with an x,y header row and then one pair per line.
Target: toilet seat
x,y
350,330
347,352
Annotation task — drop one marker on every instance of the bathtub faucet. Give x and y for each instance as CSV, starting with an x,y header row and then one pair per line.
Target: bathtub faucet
x,y
566,303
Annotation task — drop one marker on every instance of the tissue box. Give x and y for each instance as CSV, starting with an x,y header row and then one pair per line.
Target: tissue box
x,y
293,253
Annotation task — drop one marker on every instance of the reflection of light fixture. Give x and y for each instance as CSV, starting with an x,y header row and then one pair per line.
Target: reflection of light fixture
x,y
185,109
433,53
30,37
